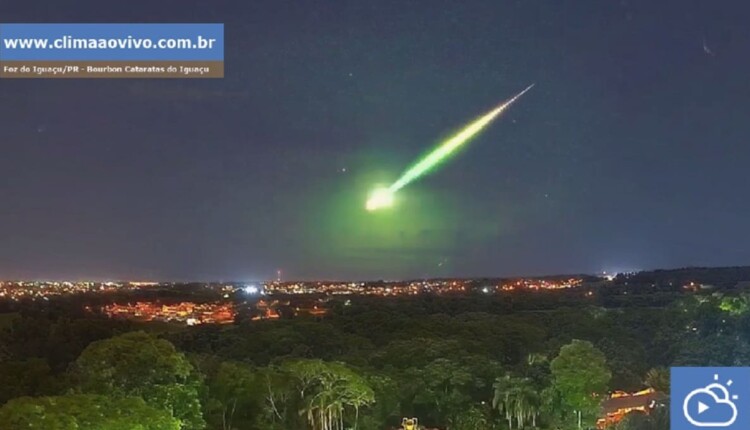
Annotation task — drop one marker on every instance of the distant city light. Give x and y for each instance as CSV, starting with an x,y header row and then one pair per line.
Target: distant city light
x,y
251,289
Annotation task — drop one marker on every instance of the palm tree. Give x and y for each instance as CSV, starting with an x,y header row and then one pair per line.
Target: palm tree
x,y
329,392
517,400
536,358
526,402
502,398
534,400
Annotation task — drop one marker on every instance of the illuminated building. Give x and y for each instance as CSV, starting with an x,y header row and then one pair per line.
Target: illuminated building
x,y
185,312
620,404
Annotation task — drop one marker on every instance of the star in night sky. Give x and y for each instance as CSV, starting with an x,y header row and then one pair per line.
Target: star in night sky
x,y
630,153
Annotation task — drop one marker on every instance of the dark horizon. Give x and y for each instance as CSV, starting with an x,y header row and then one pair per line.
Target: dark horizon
x,y
416,279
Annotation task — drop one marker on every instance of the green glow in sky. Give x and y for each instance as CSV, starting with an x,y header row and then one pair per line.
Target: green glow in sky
x,y
383,197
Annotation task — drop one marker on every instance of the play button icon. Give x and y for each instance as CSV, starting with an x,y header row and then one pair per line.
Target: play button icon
x,y
710,398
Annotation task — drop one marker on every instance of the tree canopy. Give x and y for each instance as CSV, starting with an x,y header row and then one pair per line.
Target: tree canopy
x,y
580,375
140,364
84,412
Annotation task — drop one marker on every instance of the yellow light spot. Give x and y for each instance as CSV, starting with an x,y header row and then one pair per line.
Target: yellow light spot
x,y
380,198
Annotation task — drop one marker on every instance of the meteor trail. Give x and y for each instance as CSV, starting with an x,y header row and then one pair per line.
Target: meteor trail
x,y
383,197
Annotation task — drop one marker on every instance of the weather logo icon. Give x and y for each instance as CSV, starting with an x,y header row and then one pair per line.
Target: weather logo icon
x,y
710,397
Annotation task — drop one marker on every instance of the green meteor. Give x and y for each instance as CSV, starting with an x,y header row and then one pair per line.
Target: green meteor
x,y
383,197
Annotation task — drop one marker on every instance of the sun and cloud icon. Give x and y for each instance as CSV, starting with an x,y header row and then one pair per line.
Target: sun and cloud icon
x,y
712,405
710,398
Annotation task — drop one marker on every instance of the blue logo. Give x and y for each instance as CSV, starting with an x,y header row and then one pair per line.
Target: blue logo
x,y
710,397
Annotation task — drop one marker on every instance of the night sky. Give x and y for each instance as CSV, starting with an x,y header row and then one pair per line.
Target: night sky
x,y
631,152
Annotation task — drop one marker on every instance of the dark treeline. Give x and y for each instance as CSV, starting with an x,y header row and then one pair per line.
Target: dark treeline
x,y
511,361
722,277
